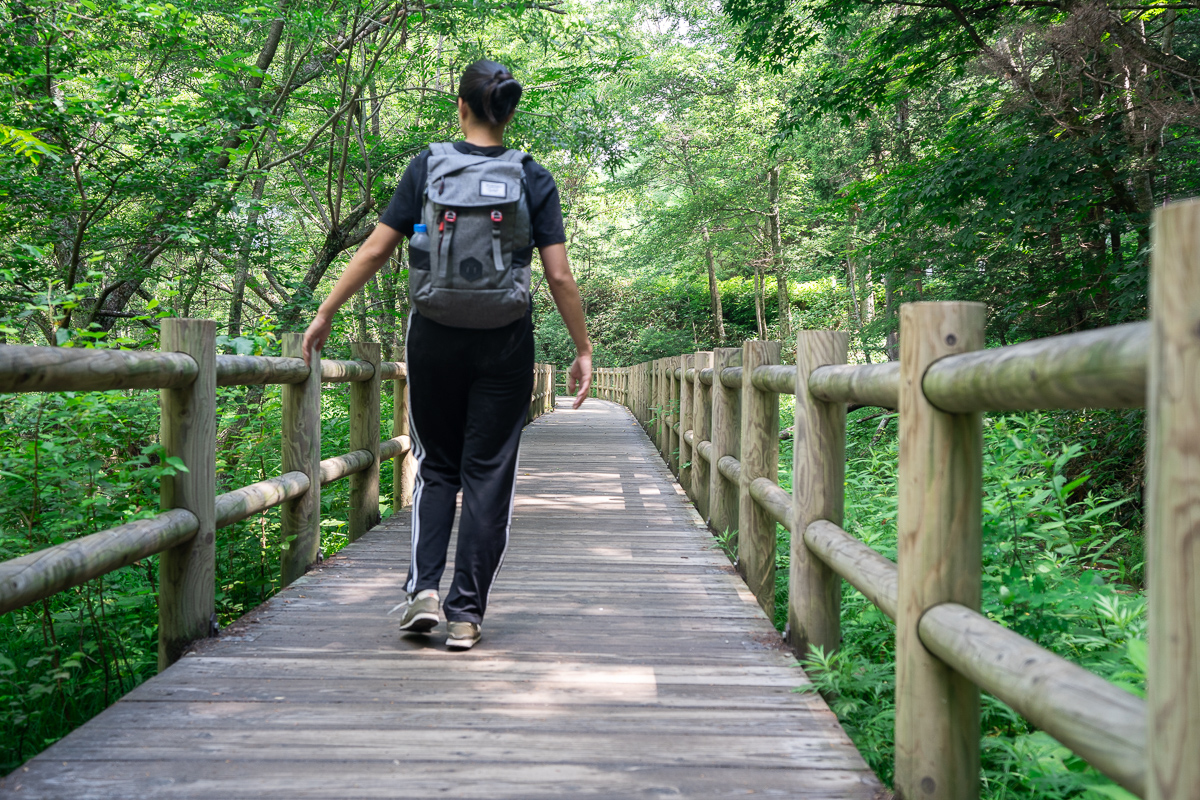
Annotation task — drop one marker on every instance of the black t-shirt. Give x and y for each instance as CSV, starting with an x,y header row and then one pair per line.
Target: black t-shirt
x,y
545,209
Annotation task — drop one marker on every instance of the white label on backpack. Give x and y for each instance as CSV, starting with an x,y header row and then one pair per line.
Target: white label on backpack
x,y
492,189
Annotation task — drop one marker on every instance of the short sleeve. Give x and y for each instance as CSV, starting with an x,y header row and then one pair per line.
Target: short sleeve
x,y
404,209
545,206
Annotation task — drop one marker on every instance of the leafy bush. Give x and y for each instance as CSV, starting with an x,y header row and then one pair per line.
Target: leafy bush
x,y
1054,570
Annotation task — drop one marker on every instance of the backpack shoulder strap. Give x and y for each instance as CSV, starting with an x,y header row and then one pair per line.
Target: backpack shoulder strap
x,y
515,156
442,149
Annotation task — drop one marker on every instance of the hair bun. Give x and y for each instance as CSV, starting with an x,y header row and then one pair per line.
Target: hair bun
x,y
490,90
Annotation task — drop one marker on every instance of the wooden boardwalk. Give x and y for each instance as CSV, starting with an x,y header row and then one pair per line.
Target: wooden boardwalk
x,y
622,657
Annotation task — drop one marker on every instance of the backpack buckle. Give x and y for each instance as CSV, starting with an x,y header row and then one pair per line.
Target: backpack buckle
x,y
497,217
450,216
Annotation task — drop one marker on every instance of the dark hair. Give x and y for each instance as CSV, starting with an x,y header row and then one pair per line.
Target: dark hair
x,y
490,90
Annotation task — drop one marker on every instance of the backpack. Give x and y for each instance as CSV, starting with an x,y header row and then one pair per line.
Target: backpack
x,y
477,215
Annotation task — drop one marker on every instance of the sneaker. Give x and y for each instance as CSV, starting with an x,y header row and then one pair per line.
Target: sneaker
x,y
463,635
421,616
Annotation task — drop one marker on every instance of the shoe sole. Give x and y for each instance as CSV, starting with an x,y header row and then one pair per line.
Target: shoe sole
x,y
462,644
421,623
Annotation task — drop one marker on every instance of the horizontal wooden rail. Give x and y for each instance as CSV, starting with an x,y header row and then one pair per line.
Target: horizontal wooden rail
x,y
864,569
1102,723
35,576
259,370
778,378
26,368
774,500
732,377
395,447
346,371
338,467
390,370
705,450
858,384
706,376
730,467
1104,368
249,500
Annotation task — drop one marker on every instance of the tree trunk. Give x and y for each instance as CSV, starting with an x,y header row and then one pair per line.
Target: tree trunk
x,y
758,302
243,262
775,236
714,295
360,315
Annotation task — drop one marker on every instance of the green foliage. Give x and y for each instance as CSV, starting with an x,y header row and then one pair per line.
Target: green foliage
x,y
1056,565
72,464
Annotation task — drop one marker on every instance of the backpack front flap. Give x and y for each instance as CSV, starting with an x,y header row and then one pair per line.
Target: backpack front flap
x,y
461,180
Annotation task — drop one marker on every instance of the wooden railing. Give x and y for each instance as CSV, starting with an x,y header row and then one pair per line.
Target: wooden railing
x,y
714,418
610,383
188,371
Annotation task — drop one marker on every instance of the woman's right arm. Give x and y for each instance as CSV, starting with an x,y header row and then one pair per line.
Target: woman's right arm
x,y
373,254
566,296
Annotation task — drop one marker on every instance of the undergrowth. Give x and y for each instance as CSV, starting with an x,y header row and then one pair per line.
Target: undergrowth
x,y
74,463
1062,566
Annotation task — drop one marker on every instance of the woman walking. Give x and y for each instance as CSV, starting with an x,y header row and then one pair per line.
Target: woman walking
x,y
473,211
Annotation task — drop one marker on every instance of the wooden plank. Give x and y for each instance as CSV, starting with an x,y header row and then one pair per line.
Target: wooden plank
x,y
380,778
622,656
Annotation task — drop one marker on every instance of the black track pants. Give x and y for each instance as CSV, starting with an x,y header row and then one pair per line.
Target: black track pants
x,y
468,396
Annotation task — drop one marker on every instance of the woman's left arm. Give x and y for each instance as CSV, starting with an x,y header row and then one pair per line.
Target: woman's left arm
x,y
373,254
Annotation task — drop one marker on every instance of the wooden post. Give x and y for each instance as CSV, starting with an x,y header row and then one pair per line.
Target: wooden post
x,y
404,469
939,558
364,435
818,492
760,459
686,455
673,435
300,518
660,401
702,432
188,431
722,493
1173,506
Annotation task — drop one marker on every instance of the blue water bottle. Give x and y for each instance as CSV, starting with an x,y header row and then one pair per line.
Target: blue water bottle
x,y
420,238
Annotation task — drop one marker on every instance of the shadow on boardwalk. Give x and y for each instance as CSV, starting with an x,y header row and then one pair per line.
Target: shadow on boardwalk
x,y
622,657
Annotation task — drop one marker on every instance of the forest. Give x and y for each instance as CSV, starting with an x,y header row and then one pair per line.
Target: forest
x,y
728,171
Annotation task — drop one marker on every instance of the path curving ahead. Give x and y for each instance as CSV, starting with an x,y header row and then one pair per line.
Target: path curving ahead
x,y
622,657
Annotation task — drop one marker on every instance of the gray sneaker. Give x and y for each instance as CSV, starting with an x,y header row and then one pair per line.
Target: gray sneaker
x,y
463,635
421,616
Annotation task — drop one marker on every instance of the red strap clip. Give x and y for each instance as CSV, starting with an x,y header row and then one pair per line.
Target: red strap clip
x,y
497,216
451,216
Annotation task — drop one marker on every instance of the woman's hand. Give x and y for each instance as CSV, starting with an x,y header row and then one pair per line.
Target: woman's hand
x,y
316,336
580,375
365,262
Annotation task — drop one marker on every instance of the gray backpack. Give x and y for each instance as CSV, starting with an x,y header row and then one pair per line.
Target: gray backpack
x,y
477,215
